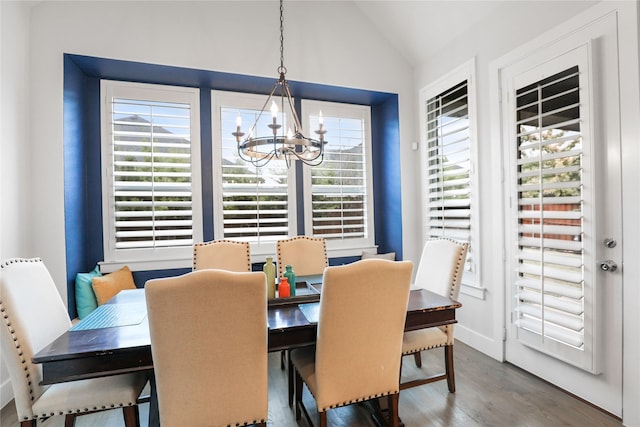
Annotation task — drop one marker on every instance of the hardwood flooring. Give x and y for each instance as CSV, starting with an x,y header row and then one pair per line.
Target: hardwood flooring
x,y
488,393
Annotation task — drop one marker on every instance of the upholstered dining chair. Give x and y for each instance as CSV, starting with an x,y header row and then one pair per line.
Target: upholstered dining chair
x,y
440,271
33,315
222,254
361,320
307,255
208,333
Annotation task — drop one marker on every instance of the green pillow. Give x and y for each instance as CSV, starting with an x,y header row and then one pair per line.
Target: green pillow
x,y
85,297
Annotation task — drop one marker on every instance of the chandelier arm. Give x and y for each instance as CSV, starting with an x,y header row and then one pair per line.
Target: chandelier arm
x,y
296,119
262,110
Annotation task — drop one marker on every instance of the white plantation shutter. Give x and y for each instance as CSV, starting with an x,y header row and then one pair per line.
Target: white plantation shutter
x,y
550,307
148,157
448,166
251,204
338,195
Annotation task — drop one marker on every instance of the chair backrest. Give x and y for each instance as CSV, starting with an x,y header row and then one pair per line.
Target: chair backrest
x,y
222,254
307,255
33,316
359,345
208,333
441,267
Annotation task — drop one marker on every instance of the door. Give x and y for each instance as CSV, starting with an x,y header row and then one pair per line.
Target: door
x,y
563,243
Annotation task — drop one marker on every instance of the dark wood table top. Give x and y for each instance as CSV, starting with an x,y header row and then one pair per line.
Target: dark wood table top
x,y
99,352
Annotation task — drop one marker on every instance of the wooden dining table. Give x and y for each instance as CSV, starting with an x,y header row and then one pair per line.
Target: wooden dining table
x,y
117,339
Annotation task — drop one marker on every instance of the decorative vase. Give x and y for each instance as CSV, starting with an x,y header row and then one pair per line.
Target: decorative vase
x,y
291,278
284,290
269,269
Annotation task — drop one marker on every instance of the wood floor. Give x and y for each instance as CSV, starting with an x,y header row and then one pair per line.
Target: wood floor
x,y
488,393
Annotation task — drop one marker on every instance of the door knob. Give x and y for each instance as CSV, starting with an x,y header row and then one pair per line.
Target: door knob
x,y
608,265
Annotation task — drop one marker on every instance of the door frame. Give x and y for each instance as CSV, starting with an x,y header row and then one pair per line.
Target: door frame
x,y
626,15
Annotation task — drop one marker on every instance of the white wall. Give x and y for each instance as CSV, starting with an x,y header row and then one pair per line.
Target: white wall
x,y
481,321
326,43
15,238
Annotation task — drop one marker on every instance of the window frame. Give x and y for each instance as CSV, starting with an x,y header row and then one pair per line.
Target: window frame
x,y
345,246
471,280
147,258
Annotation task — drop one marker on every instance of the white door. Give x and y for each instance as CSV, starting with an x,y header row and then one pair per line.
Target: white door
x,y
561,124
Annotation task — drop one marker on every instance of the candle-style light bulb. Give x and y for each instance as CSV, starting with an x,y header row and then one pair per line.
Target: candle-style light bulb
x,y
320,119
289,134
239,121
274,111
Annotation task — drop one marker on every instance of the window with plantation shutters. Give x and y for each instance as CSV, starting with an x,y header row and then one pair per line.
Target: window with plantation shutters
x,y
254,204
338,192
150,171
448,174
551,285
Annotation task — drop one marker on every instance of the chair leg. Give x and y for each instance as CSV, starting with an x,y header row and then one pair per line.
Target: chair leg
x,y
291,384
264,424
393,409
283,358
417,356
323,418
298,391
28,423
131,416
448,363
69,420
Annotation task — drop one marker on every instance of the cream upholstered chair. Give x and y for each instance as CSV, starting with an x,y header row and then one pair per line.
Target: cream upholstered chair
x,y
222,254
209,346
33,316
363,307
440,271
307,255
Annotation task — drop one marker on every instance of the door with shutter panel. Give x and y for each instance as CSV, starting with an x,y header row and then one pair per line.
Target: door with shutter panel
x,y
563,202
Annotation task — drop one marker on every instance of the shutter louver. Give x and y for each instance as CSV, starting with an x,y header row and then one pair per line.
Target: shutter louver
x,y
449,167
550,272
152,174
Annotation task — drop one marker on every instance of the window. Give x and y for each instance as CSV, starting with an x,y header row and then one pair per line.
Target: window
x,y
150,179
260,205
339,192
257,205
448,159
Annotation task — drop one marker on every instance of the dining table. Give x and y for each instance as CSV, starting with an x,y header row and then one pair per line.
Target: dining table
x,y
114,339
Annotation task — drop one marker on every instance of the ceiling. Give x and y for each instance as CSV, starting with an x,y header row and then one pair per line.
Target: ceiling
x,y
419,28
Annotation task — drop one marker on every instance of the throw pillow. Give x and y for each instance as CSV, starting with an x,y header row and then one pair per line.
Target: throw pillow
x,y
109,285
85,297
391,256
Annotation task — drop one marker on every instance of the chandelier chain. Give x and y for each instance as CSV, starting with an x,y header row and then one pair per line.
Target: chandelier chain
x,y
282,70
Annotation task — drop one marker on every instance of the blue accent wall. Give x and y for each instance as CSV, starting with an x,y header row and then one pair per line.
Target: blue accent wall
x,y
82,152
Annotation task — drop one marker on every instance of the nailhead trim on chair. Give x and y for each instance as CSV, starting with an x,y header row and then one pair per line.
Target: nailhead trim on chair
x,y
213,242
360,399
12,331
246,423
23,361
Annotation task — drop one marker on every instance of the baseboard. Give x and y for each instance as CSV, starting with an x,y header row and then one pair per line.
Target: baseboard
x,y
482,343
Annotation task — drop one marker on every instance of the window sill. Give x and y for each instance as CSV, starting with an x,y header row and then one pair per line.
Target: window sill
x,y
148,265
473,290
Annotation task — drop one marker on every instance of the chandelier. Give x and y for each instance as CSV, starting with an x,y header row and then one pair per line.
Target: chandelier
x,y
278,144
